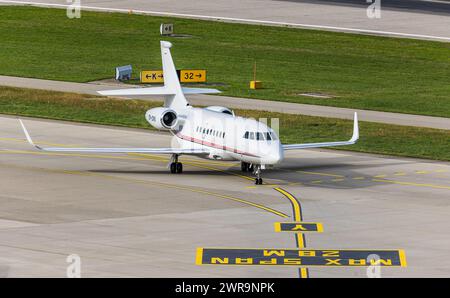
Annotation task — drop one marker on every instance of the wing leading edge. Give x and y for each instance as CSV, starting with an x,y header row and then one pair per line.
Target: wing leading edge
x,y
114,150
352,141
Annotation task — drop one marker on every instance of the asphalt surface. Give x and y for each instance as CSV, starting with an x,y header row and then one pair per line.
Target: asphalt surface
x,y
422,6
242,103
125,215
400,18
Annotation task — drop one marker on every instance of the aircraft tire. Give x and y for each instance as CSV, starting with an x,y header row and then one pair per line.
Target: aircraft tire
x,y
179,167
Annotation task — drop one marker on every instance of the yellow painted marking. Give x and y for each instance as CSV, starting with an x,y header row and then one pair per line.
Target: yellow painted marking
x,y
337,180
400,174
70,154
319,227
412,183
402,255
263,185
295,183
199,256
316,181
332,253
146,182
277,226
199,165
380,176
359,178
185,158
297,209
303,273
144,157
297,217
281,214
422,172
441,171
321,174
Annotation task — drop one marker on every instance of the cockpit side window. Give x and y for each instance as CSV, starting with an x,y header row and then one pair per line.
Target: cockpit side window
x,y
259,136
246,135
252,136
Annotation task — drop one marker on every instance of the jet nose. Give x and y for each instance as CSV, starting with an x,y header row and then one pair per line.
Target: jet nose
x,y
276,154
280,153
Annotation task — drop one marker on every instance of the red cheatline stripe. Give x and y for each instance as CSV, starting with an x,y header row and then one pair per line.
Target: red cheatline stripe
x,y
217,146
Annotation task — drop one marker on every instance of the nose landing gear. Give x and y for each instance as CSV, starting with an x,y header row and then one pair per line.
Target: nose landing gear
x,y
257,172
174,165
256,169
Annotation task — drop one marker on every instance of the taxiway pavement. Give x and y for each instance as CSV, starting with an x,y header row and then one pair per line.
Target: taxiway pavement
x,y
399,18
126,215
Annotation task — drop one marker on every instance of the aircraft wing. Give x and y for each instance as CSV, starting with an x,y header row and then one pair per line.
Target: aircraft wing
x,y
352,141
115,150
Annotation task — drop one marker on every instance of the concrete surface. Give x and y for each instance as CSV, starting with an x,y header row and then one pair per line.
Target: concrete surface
x,y
241,103
125,215
399,18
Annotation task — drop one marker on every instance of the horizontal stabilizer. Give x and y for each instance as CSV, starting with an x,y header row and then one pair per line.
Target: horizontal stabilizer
x,y
199,91
137,91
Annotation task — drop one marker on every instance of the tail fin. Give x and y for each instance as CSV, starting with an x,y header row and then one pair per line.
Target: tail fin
x,y
171,81
172,91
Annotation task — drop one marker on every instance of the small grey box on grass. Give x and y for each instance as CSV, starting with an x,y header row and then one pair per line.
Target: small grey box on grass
x,y
123,73
166,29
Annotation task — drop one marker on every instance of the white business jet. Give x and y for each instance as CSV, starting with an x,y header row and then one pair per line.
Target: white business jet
x,y
213,132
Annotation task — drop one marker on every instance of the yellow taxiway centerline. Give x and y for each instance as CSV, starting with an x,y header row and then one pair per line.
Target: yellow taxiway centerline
x,y
163,184
297,217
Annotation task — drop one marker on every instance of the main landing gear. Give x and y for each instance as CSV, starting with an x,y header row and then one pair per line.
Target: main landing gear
x,y
174,165
256,169
246,167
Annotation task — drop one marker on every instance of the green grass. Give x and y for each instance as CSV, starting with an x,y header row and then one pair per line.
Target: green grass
x,y
366,72
375,138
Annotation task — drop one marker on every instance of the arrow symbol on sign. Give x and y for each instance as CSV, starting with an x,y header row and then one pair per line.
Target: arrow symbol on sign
x,y
199,75
153,76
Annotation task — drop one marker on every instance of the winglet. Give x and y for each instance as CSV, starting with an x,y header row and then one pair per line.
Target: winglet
x,y
355,135
27,135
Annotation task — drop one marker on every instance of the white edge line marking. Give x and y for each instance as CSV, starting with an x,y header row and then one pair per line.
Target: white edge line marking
x,y
250,21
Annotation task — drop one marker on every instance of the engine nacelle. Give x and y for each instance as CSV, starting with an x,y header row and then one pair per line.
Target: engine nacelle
x,y
162,118
220,110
